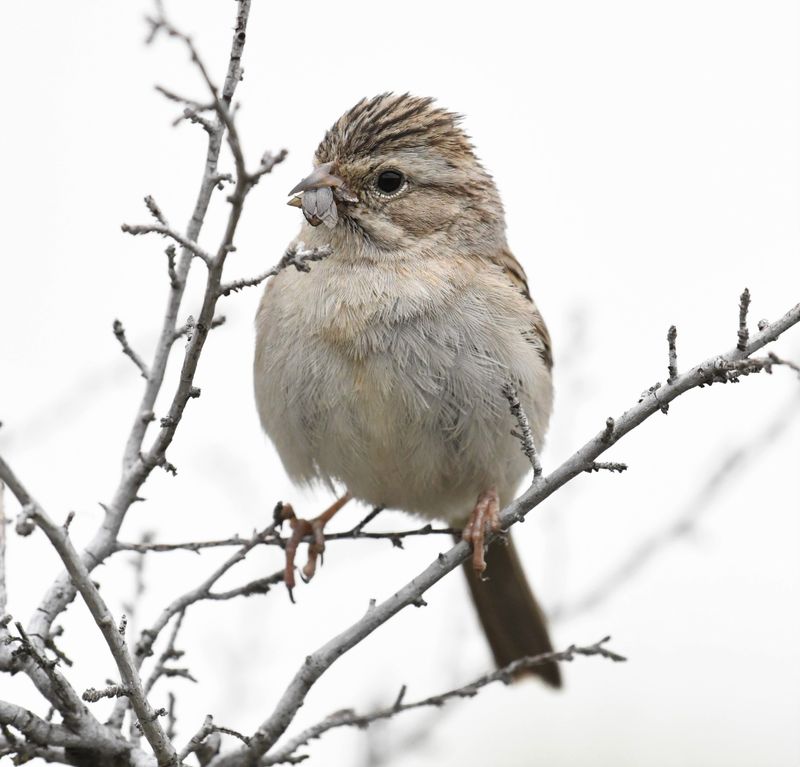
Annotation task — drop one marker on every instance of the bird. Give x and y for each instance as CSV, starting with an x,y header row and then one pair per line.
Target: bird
x,y
380,369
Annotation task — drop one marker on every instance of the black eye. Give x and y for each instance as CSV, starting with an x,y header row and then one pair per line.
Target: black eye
x,y
389,181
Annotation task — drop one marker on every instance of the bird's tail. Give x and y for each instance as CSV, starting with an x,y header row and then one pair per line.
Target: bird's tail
x,y
509,613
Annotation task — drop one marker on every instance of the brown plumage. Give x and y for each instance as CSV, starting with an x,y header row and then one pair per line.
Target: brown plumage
x,y
382,369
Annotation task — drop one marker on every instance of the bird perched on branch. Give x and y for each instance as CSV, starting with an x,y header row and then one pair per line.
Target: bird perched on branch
x,y
382,368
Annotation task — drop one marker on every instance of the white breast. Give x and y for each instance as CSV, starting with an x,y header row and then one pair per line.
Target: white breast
x,y
371,376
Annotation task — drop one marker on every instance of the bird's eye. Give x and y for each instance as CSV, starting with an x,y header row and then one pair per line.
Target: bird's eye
x,y
390,181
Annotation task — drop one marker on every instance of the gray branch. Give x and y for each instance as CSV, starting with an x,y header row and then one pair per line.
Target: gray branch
x,y
297,256
119,332
316,664
672,367
28,650
525,436
349,718
166,231
684,522
80,577
5,654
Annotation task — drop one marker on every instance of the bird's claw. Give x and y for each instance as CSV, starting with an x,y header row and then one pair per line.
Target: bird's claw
x,y
302,528
484,520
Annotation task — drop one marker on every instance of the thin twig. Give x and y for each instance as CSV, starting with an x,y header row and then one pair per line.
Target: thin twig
x,y
119,332
203,591
138,464
81,579
349,718
170,653
174,280
36,729
79,574
606,466
92,695
672,367
297,256
155,211
50,682
525,436
776,360
682,525
321,660
744,305
5,656
166,231
185,330
208,727
354,534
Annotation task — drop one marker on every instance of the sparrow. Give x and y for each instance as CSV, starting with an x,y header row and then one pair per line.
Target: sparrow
x,y
382,368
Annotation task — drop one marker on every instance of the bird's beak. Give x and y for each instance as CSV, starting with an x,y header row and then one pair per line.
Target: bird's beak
x,y
320,177
320,190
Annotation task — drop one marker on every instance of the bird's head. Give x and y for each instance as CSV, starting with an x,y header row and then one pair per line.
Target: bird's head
x,y
396,170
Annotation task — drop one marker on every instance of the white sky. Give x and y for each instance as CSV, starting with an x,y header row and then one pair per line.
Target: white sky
x,y
649,161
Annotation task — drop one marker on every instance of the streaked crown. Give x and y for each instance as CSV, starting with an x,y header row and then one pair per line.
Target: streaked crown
x,y
391,122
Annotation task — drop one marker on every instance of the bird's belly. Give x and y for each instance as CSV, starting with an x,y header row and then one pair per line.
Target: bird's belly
x,y
417,423
393,439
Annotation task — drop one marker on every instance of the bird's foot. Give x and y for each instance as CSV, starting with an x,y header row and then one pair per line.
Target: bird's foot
x,y
485,519
301,528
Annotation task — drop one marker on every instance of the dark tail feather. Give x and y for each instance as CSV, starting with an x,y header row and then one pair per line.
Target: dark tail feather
x,y
509,613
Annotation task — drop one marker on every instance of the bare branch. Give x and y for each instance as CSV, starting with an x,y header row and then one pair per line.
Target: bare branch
x,y
3,592
79,574
268,163
257,586
192,110
524,436
80,578
684,522
275,539
166,231
148,637
119,332
185,330
322,659
776,360
5,655
170,95
80,727
603,465
297,256
170,653
24,751
349,718
35,728
218,119
207,187
137,462
672,336
92,695
744,305
608,434
174,281
201,737
155,211
201,592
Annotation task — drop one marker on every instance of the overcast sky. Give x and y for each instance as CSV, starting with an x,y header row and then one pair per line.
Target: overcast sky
x,y
648,158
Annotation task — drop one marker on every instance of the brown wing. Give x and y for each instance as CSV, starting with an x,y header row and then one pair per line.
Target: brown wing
x,y
538,334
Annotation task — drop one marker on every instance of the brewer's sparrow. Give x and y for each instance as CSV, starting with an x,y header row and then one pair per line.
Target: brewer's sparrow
x,y
382,369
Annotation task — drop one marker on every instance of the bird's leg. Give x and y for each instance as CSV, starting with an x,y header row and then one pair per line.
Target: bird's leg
x,y
485,518
300,529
